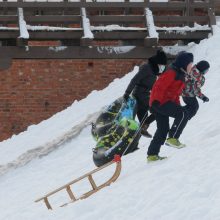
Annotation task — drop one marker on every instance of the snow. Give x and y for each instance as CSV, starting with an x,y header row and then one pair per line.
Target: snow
x,y
185,186
114,49
150,24
196,27
22,25
58,48
86,25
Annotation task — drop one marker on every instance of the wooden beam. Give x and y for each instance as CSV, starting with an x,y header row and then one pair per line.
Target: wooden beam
x,y
88,36
174,35
66,19
77,52
64,4
22,39
180,19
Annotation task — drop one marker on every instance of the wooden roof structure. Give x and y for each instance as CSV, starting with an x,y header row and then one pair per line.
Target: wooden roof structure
x,y
98,30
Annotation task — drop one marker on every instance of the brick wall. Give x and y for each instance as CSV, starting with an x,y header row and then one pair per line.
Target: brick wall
x,y
34,90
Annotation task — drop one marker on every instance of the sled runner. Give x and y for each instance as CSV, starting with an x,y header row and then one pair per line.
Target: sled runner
x,y
95,188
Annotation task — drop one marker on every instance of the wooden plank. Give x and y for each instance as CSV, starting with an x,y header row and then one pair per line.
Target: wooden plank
x,y
106,19
150,42
212,18
66,19
152,5
91,4
92,182
9,18
119,35
183,36
117,19
47,203
70,193
77,52
180,19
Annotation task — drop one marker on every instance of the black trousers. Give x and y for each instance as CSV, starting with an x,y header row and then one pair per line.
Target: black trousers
x,y
192,106
162,114
143,108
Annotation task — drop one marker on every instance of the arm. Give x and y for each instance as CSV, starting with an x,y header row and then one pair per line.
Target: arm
x,y
141,74
197,87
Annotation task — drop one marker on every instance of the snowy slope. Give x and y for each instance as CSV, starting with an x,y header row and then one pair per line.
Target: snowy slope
x,y
185,186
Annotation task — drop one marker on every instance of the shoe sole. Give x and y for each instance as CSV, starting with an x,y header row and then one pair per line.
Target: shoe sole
x,y
150,161
170,145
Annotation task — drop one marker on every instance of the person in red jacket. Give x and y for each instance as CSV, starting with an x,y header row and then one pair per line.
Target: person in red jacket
x,y
165,103
194,81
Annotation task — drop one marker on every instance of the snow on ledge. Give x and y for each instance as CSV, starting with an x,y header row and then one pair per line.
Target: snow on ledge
x,y
22,25
57,49
197,27
86,25
150,24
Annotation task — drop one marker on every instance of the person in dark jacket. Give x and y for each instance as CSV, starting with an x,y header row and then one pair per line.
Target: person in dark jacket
x,y
141,85
165,103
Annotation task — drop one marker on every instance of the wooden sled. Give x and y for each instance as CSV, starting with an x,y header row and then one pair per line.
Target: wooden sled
x,y
95,188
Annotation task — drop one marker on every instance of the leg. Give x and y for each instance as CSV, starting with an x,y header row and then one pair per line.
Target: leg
x,y
191,107
142,106
150,119
160,135
179,114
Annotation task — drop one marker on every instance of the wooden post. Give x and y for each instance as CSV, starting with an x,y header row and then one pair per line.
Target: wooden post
x,y
85,41
91,180
211,13
189,12
22,40
70,193
47,203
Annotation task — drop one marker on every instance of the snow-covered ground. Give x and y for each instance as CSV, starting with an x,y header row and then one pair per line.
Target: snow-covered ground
x,y
185,186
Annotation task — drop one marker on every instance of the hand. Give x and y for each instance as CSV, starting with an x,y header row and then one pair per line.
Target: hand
x,y
205,99
125,97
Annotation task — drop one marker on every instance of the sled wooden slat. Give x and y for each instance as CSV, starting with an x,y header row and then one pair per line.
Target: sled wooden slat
x,y
91,180
69,191
47,203
95,188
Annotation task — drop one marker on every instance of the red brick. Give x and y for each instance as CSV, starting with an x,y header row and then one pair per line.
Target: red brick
x,y
46,87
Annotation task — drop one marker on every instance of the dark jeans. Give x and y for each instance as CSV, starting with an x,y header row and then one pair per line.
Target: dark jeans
x,y
162,114
192,106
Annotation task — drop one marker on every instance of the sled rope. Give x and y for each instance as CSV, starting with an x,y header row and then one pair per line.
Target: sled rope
x,y
95,188
136,133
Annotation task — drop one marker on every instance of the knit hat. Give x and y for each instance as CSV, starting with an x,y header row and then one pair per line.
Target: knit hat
x,y
159,58
183,59
202,66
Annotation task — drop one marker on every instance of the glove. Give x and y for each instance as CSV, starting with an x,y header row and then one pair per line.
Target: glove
x,y
205,99
125,97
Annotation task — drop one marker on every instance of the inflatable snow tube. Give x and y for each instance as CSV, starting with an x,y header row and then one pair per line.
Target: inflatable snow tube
x,y
115,131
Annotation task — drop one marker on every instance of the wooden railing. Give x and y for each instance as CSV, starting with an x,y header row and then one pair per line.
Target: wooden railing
x,y
107,24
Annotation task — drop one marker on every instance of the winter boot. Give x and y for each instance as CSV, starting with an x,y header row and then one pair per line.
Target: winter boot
x,y
144,131
173,142
152,158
